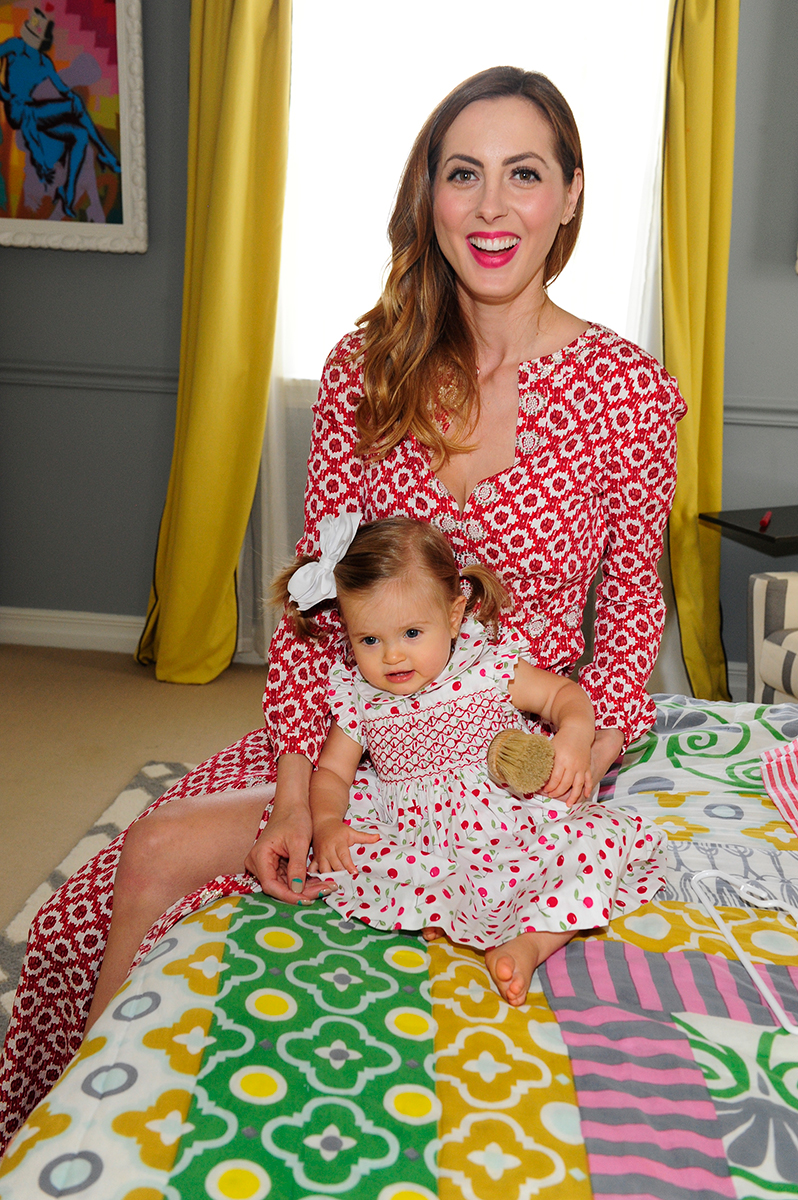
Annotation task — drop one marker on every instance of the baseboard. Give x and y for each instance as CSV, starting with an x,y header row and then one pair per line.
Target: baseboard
x,y
70,630
738,680
85,631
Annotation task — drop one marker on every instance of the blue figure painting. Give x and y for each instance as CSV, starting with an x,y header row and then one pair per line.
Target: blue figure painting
x,y
45,110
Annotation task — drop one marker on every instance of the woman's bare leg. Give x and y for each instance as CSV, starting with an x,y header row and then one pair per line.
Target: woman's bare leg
x,y
513,964
167,855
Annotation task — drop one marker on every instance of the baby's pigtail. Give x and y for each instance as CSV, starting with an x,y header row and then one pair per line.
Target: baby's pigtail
x,y
488,595
303,624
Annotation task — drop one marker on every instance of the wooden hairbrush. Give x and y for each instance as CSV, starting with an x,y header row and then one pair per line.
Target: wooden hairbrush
x,y
520,761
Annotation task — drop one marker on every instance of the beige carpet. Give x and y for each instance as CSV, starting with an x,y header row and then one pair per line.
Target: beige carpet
x,y
76,727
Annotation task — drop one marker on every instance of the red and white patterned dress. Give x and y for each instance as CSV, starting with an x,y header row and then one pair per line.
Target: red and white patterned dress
x,y
592,483
457,850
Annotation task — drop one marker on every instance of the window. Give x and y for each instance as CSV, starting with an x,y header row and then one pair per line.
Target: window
x,y
365,75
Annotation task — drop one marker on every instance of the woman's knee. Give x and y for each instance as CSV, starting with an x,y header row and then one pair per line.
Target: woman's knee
x,y
151,853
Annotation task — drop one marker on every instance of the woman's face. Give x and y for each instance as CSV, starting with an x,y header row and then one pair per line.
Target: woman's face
x,y
499,198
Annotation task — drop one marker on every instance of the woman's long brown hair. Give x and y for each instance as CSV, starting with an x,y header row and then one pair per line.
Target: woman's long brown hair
x,y
419,356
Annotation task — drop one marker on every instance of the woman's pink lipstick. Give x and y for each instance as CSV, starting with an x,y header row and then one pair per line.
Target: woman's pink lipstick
x,y
479,245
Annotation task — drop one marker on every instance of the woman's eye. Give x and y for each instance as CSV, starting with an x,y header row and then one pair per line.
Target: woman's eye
x,y
412,633
462,175
526,174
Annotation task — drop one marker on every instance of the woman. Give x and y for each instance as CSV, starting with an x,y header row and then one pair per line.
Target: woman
x,y
540,444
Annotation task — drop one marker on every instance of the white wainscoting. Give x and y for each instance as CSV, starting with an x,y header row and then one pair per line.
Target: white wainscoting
x,y
70,630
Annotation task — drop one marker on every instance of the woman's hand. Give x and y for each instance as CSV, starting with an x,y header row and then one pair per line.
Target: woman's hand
x,y
331,841
607,746
279,857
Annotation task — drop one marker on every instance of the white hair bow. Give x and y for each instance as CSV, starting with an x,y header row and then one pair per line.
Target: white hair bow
x,y
315,581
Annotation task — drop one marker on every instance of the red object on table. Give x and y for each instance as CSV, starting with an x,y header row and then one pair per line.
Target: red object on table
x,y
764,520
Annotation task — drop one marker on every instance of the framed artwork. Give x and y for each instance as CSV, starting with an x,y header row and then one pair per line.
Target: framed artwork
x,y
72,166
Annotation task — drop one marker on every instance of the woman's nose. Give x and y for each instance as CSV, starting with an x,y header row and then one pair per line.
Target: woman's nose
x,y
492,201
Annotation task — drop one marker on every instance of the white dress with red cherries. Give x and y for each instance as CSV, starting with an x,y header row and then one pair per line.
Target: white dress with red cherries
x,y
457,850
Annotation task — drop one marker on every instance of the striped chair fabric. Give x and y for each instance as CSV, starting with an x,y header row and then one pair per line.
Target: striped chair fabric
x,y
773,637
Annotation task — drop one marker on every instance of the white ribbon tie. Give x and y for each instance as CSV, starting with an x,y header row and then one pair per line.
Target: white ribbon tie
x,y
315,581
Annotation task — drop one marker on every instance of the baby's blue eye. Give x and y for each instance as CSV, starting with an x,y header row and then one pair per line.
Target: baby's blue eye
x,y
369,641
412,633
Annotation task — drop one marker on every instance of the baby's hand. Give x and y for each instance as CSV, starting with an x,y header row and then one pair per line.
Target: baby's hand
x,y
570,779
331,841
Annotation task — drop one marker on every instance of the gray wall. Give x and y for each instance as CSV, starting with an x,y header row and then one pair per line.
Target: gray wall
x,y
760,463
89,352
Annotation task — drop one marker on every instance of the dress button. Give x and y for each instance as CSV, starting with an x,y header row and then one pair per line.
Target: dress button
x,y
537,625
475,531
572,618
534,402
485,492
448,524
529,442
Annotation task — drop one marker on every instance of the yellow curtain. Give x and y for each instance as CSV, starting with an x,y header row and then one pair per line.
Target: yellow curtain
x,y
697,201
238,137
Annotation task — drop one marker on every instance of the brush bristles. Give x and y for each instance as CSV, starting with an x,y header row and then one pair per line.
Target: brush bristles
x,y
521,761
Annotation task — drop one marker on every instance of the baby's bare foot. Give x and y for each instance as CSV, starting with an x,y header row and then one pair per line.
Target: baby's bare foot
x,y
511,967
513,964
432,933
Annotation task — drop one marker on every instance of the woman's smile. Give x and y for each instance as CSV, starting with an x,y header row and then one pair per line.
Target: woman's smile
x,y
493,249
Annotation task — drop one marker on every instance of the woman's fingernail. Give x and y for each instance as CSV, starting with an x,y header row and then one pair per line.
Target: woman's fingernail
x,y
329,891
304,903
297,885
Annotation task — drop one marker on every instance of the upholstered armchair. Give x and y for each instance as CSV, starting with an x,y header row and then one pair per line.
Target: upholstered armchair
x,y
773,637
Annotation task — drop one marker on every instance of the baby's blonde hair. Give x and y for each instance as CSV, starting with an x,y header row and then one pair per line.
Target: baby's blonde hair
x,y
393,549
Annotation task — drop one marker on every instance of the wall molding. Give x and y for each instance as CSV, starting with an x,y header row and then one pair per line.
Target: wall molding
x,y
88,377
87,631
781,415
70,630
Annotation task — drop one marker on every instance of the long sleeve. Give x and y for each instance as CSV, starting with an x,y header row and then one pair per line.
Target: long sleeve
x,y
639,484
295,703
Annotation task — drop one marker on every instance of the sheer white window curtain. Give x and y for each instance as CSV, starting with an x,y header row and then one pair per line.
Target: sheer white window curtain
x,y
365,74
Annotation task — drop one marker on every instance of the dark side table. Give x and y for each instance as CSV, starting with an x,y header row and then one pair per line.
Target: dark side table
x,y
742,525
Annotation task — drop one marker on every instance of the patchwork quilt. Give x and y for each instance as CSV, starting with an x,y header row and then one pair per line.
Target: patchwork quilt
x,y
262,1050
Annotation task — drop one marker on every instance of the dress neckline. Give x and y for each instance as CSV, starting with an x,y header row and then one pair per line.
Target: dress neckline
x,y
554,357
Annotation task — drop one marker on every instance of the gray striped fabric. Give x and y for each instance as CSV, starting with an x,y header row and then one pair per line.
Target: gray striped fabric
x,y
661,1118
772,610
778,665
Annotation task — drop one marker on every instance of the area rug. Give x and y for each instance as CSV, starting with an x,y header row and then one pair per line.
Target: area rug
x,y
150,783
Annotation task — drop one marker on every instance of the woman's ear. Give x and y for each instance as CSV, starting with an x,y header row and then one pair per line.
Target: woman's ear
x,y
456,615
574,192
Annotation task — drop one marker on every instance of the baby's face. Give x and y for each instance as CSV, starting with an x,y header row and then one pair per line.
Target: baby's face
x,y
401,632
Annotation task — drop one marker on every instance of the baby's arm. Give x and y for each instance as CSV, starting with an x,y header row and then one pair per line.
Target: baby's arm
x,y
329,799
563,704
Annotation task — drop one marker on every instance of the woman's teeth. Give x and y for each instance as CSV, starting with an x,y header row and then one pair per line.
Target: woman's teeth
x,y
495,244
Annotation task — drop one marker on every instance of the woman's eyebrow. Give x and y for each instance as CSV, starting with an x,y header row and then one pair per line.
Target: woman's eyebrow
x,y
506,162
517,158
464,158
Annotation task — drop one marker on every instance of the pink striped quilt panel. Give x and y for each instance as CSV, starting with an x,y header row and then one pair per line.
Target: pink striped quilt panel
x,y
682,1074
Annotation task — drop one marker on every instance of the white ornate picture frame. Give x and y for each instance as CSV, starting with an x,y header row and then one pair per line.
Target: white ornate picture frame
x,y
72,161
